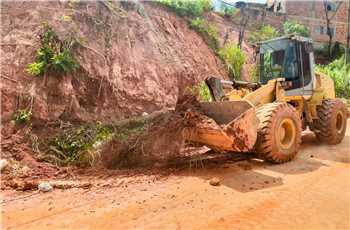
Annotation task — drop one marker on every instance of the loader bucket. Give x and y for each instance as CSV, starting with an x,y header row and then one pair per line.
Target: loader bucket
x,y
223,126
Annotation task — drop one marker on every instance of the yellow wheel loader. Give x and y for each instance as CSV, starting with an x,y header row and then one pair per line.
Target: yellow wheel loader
x,y
268,117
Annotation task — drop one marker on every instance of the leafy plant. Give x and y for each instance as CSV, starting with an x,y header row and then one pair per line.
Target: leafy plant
x,y
253,73
293,27
77,146
201,91
262,34
188,8
208,32
35,68
340,73
234,59
53,54
64,62
204,93
228,11
22,116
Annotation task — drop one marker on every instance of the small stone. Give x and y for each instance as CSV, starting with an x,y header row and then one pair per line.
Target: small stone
x,y
3,164
214,181
45,187
144,114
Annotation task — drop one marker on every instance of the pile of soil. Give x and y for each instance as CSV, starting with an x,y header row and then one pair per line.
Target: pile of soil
x,y
161,141
24,165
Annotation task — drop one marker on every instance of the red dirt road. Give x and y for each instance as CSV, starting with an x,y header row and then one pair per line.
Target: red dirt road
x,y
311,192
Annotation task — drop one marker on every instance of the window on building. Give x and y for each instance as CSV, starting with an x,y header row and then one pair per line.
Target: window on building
x,y
331,6
332,31
322,30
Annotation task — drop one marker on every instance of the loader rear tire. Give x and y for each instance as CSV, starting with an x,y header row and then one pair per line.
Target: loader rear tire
x,y
279,132
331,125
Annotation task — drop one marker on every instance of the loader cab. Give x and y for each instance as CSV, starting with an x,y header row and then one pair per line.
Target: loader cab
x,y
291,58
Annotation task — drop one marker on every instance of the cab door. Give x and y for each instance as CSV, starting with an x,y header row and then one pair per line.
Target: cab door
x,y
297,70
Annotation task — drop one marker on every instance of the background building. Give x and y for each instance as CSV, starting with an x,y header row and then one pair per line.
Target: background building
x,y
312,14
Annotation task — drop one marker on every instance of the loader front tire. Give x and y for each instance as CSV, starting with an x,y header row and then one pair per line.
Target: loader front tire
x,y
279,132
330,126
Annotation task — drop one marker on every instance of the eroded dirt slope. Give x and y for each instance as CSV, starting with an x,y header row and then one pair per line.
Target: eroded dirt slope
x,y
134,58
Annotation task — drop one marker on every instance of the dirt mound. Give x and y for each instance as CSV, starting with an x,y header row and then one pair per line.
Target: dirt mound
x,y
160,141
24,163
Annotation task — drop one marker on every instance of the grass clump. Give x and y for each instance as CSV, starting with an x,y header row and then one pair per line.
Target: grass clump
x,y
340,73
77,146
53,54
188,8
264,33
208,32
234,59
22,116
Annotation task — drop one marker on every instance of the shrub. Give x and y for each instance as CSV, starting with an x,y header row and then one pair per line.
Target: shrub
x,y
204,93
253,73
228,11
76,146
293,27
201,91
262,34
208,32
188,8
53,55
234,58
340,73
22,116
337,50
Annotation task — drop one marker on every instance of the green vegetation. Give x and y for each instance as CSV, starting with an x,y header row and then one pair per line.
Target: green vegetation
x,y
204,93
262,34
293,27
234,59
53,55
340,73
77,146
22,116
253,73
125,133
208,32
188,8
228,12
201,91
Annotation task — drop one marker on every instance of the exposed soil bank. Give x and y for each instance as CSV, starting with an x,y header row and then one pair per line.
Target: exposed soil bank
x,y
134,59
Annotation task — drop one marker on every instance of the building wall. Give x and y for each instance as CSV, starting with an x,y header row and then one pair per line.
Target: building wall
x,y
312,14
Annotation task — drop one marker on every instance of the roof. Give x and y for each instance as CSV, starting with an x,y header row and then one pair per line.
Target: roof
x,y
289,36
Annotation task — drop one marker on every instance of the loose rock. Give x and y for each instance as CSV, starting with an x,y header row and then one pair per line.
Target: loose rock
x,y
214,181
45,187
3,164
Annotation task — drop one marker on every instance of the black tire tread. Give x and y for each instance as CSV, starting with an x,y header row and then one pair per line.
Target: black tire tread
x,y
325,129
266,115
